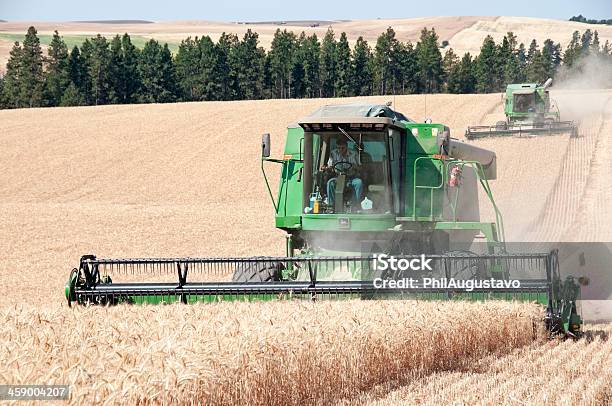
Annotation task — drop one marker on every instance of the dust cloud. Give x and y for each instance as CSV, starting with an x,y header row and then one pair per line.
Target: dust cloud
x,y
576,88
589,72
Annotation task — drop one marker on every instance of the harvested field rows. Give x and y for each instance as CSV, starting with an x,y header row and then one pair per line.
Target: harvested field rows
x,y
267,353
564,217
580,371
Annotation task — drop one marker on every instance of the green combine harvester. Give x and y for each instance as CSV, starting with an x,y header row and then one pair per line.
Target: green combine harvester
x,y
529,112
374,206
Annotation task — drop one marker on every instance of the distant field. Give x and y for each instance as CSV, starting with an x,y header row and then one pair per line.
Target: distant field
x,y
72,40
464,34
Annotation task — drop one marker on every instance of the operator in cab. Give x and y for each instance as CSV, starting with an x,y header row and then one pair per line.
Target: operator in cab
x,y
346,162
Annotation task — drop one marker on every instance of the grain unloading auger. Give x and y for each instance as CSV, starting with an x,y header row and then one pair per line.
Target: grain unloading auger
x,y
529,112
357,182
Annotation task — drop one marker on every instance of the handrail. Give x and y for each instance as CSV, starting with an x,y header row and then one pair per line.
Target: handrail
x,y
498,216
432,188
266,180
478,171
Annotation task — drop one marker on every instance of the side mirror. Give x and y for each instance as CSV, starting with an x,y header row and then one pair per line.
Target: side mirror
x,y
265,145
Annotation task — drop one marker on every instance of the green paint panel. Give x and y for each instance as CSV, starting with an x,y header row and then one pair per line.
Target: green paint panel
x,y
290,185
427,192
348,222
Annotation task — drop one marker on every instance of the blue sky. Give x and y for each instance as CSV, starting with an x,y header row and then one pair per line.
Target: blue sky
x,y
249,10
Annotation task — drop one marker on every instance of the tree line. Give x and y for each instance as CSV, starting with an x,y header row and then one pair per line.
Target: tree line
x,y
296,66
581,19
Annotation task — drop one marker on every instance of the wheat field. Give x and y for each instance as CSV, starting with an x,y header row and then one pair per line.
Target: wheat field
x,y
268,353
550,373
184,180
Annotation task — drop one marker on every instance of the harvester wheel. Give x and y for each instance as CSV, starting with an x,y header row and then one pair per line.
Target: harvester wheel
x,y
501,125
257,272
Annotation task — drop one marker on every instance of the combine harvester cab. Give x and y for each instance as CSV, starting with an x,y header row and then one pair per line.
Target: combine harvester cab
x,y
374,206
529,112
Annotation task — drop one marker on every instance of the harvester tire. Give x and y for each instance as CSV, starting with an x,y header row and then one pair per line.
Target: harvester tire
x,y
501,125
257,272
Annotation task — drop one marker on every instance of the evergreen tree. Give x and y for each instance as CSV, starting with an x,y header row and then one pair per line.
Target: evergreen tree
x,y
486,69
124,78
533,48
268,82
551,53
573,51
310,52
512,40
595,43
384,61
521,54
453,81
249,65
298,71
226,47
31,81
466,78
511,59
168,75
586,41
57,76
86,53
11,91
513,71
504,51
344,75
328,65
96,55
188,69
77,75
130,80
362,68
282,52
450,68
210,84
72,96
537,70
116,71
406,75
429,61
157,73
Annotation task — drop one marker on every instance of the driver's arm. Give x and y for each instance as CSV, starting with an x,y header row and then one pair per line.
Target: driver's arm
x,y
356,166
330,162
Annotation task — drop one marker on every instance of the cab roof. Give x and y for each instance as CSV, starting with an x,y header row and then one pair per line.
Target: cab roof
x,y
521,86
352,111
